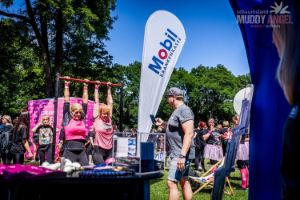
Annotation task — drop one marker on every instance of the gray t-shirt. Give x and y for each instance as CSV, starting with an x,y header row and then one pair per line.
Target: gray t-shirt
x,y
175,133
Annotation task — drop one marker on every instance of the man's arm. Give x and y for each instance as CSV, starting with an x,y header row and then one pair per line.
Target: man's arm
x,y
188,130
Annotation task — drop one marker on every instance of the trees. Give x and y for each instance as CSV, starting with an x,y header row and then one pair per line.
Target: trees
x,y
209,91
214,91
21,76
67,35
48,36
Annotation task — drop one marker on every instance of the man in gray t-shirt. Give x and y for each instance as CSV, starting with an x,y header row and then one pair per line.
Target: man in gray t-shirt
x,y
179,131
175,132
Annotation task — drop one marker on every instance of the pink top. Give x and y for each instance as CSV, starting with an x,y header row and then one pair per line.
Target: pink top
x,y
103,133
75,130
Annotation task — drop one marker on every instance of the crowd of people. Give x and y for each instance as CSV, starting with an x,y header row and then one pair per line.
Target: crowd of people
x,y
76,142
207,141
14,138
185,143
211,143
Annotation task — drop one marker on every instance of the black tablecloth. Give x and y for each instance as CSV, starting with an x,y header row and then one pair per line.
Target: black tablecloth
x,y
73,188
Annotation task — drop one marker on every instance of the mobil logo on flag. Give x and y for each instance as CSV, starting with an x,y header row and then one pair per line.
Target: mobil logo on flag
x,y
168,46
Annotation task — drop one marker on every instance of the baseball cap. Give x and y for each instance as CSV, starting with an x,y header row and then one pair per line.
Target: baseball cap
x,y
174,91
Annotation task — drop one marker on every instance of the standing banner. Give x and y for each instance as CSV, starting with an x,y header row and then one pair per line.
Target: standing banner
x,y
163,42
38,108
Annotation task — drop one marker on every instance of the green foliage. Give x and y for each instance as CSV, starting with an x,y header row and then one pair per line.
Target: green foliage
x,y
30,56
209,92
21,76
67,36
130,77
213,92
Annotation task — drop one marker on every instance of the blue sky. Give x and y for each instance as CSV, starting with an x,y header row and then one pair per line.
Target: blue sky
x,y
212,34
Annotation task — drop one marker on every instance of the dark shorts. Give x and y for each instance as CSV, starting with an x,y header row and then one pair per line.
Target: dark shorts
x,y
100,154
76,156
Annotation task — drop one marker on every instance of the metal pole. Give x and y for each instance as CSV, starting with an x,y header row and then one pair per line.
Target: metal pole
x,y
55,115
121,109
85,81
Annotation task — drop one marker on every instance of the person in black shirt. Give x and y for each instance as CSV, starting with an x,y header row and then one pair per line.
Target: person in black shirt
x,y
225,135
1,124
20,143
6,139
213,148
199,145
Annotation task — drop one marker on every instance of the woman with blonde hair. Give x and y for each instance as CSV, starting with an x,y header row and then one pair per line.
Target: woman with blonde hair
x,y
102,142
286,38
73,134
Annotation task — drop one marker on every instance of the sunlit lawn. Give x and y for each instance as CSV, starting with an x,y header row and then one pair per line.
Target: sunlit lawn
x,y
159,190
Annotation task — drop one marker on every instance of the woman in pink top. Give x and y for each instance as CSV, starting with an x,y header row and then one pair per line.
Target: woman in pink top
x,y
102,142
73,134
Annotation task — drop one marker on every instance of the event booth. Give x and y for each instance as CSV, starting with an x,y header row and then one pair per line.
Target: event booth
x,y
140,160
126,178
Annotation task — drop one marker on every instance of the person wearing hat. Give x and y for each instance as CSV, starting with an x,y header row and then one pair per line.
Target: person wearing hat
x,y
179,137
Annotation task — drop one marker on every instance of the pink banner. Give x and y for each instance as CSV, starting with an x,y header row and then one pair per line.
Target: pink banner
x,y
38,108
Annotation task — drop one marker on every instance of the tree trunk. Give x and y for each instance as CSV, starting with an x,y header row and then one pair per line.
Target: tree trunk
x,y
43,48
45,52
47,74
59,42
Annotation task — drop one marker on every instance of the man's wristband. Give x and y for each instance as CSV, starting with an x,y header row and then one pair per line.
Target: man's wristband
x,y
181,156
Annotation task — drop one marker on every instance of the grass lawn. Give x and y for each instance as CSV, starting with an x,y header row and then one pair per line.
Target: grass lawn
x,y
159,190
